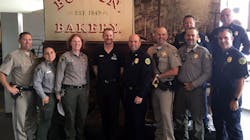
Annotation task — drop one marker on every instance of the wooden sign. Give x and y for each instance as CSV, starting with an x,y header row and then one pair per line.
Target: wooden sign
x,y
89,18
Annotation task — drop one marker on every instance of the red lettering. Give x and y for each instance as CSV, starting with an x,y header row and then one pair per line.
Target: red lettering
x,y
59,28
114,27
59,4
69,1
113,3
92,28
80,28
102,27
85,28
69,29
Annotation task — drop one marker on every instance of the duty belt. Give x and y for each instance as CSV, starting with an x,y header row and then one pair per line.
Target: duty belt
x,y
130,88
49,93
22,88
109,81
25,88
72,86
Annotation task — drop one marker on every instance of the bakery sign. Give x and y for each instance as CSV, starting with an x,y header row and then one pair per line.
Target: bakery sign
x,y
89,18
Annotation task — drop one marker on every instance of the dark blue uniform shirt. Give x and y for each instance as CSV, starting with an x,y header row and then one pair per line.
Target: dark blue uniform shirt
x,y
240,38
180,41
228,67
138,73
109,64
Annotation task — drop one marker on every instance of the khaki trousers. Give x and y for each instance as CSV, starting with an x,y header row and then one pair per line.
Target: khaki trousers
x,y
163,107
24,116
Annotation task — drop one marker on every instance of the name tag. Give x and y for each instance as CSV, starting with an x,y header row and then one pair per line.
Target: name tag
x,y
101,55
49,71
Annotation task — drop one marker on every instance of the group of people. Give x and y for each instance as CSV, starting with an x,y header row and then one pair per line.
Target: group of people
x,y
176,75
65,82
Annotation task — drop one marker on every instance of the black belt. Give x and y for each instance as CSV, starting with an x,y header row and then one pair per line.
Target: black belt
x,y
109,81
130,88
25,88
180,83
49,93
72,86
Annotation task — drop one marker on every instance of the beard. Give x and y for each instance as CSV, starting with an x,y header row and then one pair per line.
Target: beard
x,y
108,42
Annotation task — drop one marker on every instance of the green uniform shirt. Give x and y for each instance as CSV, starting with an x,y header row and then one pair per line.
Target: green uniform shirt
x,y
71,70
196,65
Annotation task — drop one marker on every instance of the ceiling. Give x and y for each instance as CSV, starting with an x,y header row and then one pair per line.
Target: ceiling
x,y
20,6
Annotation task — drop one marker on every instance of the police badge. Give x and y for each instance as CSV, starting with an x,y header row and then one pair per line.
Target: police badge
x,y
136,61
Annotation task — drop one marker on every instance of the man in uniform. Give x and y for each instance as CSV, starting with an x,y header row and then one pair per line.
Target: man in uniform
x,y
229,73
194,72
20,65
107,67
188,22
239,34
137,78
166,65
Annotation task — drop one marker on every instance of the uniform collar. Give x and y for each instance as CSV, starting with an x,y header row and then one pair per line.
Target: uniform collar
x,y
72,53
228,51
166,44
188,49
136,53
49,63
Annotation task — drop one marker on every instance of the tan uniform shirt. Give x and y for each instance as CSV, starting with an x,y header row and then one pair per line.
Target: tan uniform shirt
x,y
71,70
168,59
196,65
20,65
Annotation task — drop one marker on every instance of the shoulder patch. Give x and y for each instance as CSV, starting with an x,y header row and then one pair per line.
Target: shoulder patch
x,y
242,61
7,59
236,33
136,61
62,58
147,61
206,39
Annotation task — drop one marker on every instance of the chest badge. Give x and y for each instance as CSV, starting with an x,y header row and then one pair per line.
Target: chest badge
x,y
136,61
84,60
163,54
196,56
236,33
114,57
229,59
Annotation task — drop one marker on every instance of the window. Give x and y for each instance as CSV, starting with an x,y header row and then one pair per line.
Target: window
x,y
241,10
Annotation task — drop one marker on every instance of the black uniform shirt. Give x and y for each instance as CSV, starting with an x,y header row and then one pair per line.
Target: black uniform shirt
x,y
138,72
108,65
228,67
240,38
